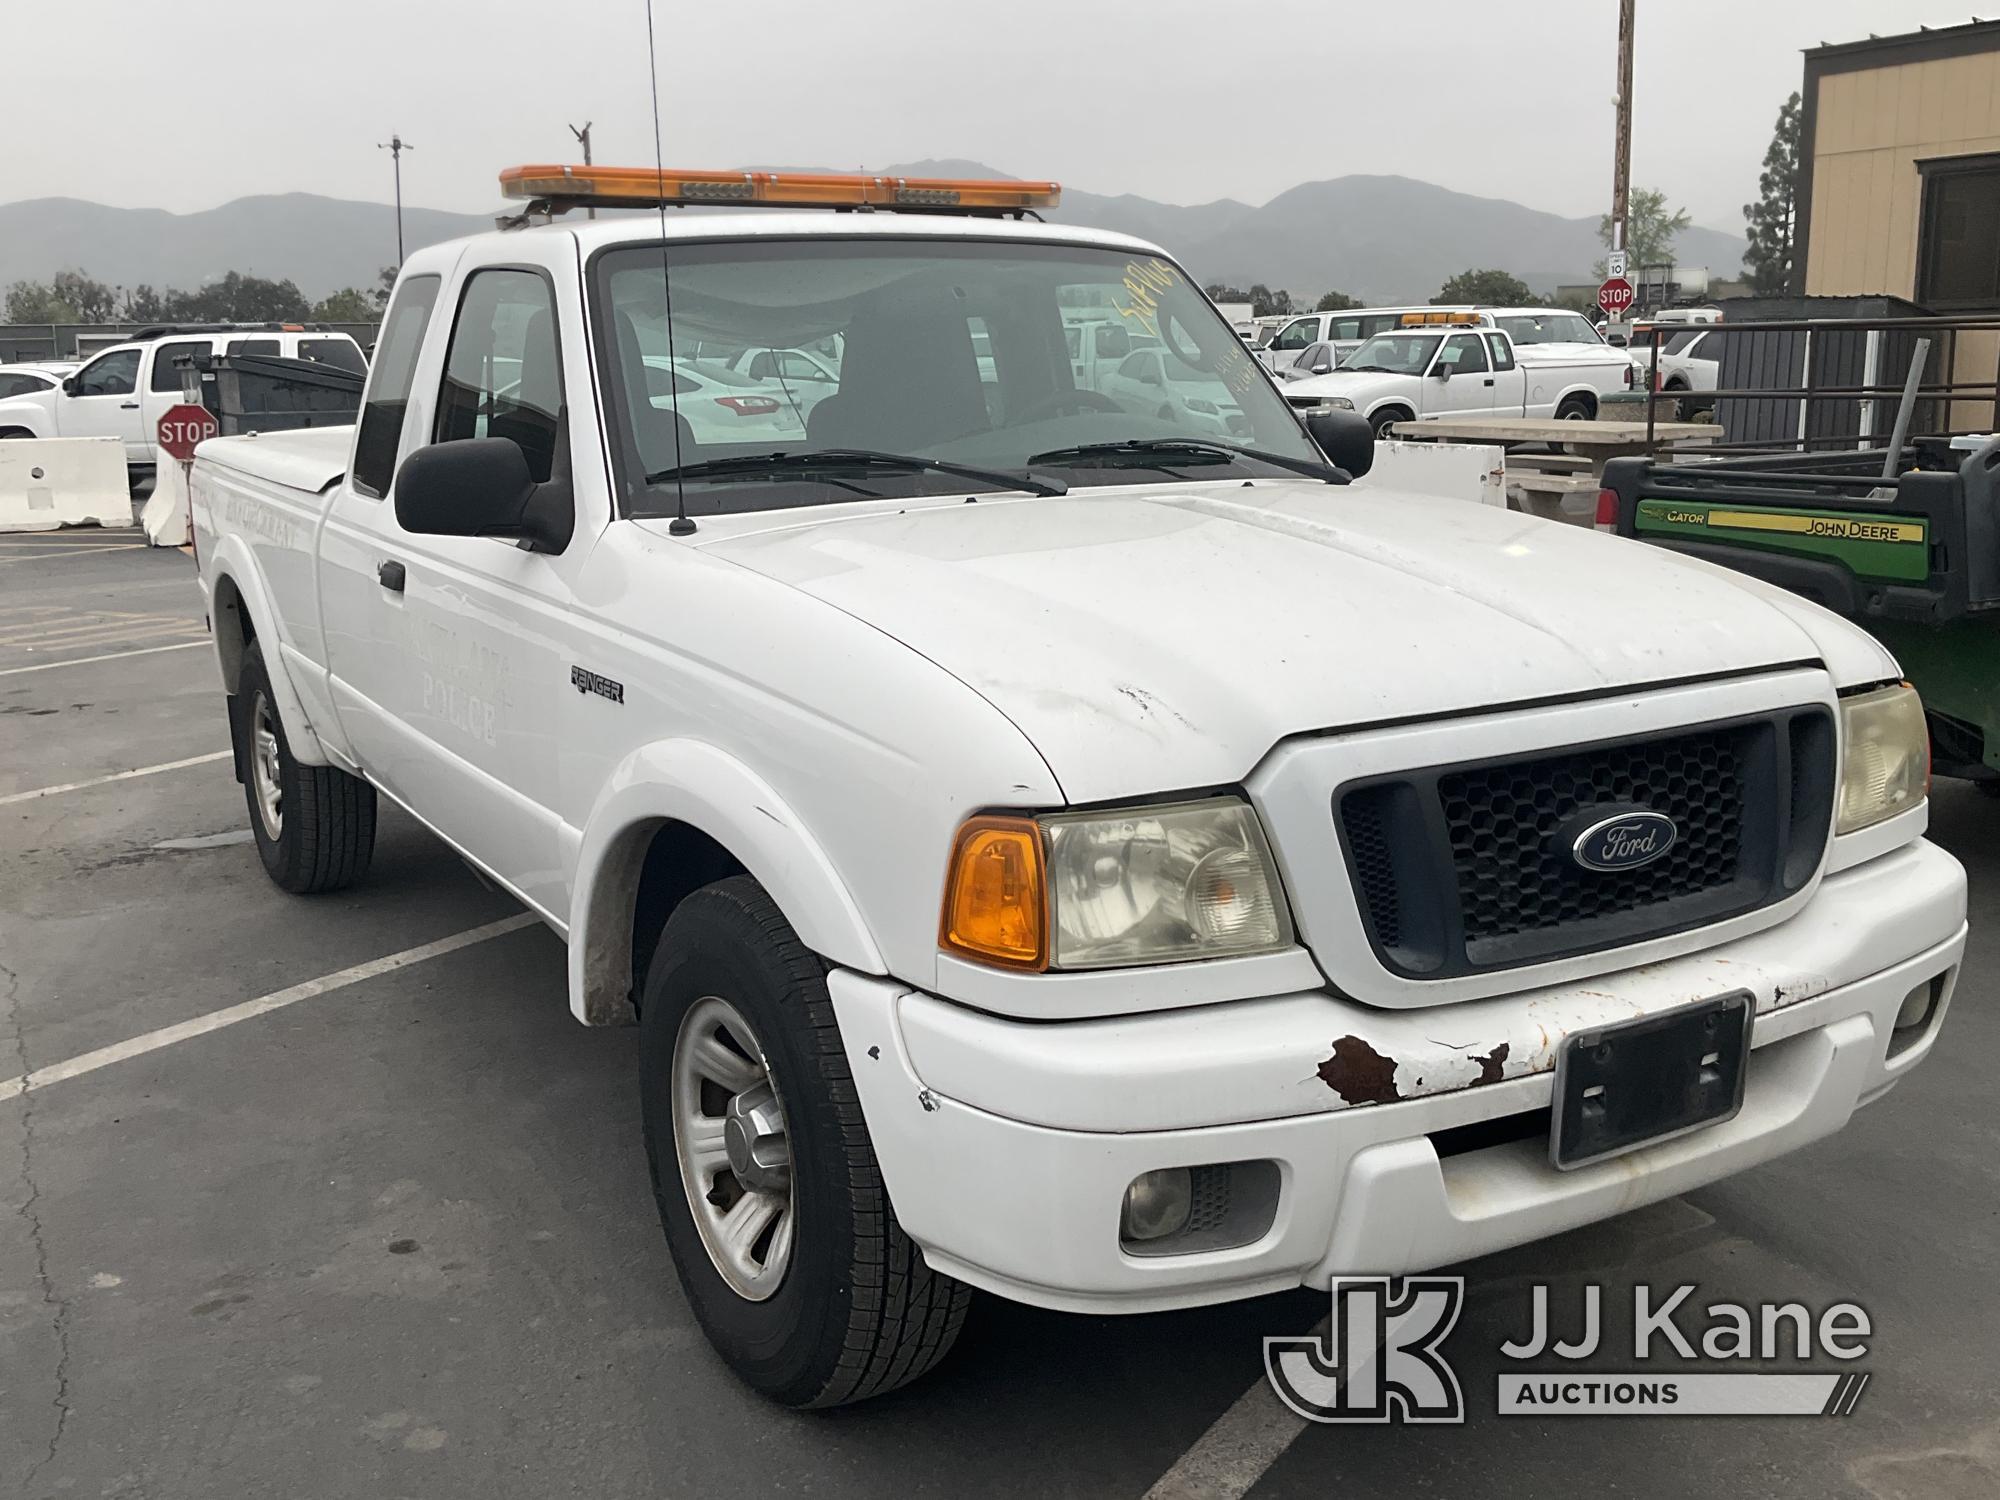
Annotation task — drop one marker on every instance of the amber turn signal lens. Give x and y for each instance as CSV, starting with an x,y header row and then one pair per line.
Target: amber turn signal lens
x,y
995,900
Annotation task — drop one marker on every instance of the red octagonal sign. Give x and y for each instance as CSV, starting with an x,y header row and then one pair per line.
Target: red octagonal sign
x,y
182,426
1616,296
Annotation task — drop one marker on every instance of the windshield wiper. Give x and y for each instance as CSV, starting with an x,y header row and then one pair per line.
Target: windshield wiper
x,y
1157,452
1371,369
857,458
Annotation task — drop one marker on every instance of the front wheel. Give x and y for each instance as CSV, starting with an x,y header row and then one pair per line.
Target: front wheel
x,y
768,1189
314,825
1386,418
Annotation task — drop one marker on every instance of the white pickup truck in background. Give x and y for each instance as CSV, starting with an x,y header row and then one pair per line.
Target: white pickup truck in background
x,y
1463,370
123,391
1049,846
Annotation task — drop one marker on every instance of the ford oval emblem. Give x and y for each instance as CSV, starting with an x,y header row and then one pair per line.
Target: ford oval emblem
x,y
1625,842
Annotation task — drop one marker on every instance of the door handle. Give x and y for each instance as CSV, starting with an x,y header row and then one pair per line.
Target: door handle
x,y
1488,380
128,406
390,575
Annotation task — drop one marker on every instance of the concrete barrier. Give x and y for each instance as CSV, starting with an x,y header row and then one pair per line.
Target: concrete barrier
x,y
50,482
167,510
1465,471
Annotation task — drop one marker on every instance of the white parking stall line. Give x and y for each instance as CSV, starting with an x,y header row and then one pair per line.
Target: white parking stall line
x,y
48,554
1239,1446
77,786
215,1020
84,661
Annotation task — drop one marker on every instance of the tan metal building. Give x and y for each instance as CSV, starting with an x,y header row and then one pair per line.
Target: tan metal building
x,y
1899,189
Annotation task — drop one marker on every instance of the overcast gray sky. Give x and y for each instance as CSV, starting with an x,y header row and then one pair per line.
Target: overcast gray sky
x,y
1172,99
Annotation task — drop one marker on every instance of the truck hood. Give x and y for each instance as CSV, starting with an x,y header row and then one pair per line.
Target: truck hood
x,y
1358,386
1164,638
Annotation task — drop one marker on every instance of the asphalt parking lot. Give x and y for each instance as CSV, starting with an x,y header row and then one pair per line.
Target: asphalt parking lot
x,y
391,1234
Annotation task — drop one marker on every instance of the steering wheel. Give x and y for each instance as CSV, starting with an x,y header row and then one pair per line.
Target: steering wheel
x,y
1062,401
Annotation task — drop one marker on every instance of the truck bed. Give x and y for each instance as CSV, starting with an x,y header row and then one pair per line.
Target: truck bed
x,y
309,459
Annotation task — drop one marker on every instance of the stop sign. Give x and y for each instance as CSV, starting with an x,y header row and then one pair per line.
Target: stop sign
x,y
182,426
1616,296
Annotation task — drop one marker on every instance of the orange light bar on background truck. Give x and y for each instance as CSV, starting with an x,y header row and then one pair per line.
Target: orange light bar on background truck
x,y
647,187
1426,319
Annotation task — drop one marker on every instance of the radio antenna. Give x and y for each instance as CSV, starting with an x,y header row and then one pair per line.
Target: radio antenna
x,y
681,525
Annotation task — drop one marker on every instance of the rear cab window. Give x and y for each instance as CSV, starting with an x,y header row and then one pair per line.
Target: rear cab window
x,y
342,354
166,374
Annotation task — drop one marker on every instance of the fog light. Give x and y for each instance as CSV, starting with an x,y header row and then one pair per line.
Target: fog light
x,y
1157,1204
1916,1006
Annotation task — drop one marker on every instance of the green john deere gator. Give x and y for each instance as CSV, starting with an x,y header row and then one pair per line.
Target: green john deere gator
x,y
1915,560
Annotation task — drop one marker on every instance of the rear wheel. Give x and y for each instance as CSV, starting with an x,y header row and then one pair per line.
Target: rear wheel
x,y
768,1189
14,432
314,825
1576,408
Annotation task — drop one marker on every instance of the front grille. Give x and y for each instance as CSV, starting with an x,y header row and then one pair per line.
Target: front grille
x,y
1514,875
1466,868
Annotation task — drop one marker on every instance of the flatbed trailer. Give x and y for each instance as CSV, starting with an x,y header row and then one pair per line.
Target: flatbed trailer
x,y
1914,559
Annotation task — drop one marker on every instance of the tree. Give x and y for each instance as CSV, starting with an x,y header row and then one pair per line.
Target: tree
x,y
1495,288
1649,230
1265,303
93,300
1773,219
237,298
348,305
37,302
142,304
1337,302
385,283
1222,292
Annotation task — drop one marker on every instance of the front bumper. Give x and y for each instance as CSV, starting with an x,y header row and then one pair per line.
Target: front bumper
x,y
1007,1146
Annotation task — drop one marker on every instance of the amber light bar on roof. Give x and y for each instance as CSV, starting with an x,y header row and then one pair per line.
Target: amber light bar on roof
x,y
644,187
1425,319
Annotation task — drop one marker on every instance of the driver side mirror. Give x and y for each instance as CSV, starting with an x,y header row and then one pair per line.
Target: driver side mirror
x,y
1442,371
482,487
1323,367
1346,438
69,385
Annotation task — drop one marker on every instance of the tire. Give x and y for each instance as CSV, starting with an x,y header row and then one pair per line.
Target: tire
x,y
8,433
320,834
1679,393
1386,418
839,1306
1575,408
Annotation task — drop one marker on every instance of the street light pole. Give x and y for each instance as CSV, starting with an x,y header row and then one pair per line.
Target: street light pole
x,y
396,146
583,136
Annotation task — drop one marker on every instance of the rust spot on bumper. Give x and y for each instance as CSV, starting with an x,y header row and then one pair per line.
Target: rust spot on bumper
x,y
1358,1073
1490,1065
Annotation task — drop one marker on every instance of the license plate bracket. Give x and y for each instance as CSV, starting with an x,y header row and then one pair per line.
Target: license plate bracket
x,y
1644,1081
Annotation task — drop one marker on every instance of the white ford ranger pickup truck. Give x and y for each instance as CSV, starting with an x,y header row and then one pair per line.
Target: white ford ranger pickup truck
x,y
1048,847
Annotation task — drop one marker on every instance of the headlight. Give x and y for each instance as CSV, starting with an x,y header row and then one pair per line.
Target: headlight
x,y
1099,890
1336,403
1196,403
1886,757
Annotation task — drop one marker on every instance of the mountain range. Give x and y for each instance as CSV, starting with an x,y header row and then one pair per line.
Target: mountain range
x,y
1383,239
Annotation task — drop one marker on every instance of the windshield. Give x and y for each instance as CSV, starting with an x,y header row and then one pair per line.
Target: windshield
x,y
1548,328
949,351
1395,353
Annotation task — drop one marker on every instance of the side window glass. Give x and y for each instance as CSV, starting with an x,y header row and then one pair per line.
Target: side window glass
x,y
799,367
1465,353
254,346
762,366
342,354
114,374
502,377
389,391
1503,357
166,374
1296,335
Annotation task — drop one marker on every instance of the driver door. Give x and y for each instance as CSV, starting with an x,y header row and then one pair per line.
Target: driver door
x,y
1468,392
106,403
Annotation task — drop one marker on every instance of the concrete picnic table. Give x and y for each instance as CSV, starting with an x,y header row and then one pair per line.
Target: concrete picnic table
x,y
1560,486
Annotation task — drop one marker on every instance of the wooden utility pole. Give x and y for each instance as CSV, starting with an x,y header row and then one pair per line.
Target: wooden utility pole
x,y
396,146
583,138
1621,172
